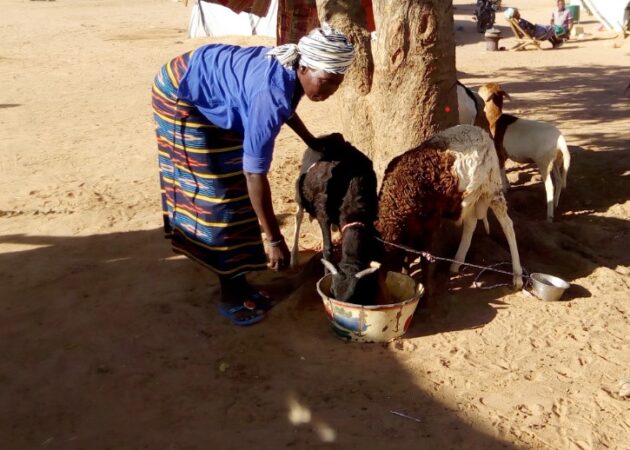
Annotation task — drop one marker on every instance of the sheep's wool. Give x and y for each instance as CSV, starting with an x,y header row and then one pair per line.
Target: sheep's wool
x,y
476,165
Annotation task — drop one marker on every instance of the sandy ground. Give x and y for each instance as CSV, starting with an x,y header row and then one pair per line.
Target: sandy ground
x,y
109,341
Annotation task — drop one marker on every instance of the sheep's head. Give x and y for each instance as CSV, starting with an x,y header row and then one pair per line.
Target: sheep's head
x,y
329,142
361,287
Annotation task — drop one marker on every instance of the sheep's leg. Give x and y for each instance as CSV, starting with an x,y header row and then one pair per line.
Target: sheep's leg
x,y
430,276
557,183
393,258
470,223
299,216
504,180
499,207
406,266
486,224
546,176
428,269
326,238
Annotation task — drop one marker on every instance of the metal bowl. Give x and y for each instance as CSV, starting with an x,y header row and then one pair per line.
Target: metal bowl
x,y
378,323
547,287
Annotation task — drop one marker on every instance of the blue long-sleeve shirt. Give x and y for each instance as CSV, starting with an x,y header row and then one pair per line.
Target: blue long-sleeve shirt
x,y
242,90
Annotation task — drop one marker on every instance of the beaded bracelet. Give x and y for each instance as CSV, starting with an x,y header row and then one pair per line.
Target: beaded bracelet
x,y
276,243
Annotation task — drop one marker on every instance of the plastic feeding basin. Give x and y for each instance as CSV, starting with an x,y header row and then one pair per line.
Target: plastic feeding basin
x,y
378,323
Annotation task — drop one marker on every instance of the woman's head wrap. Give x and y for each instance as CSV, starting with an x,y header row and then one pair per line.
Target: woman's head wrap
x,y
323,49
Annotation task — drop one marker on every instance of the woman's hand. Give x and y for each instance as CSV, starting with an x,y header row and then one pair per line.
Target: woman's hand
x,y
320,144
260,196
279,256
300,129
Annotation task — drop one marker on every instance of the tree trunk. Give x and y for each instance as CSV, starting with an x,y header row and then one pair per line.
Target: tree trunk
x,y
402,88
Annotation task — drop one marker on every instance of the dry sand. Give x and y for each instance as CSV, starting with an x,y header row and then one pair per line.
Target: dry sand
x,y
109,341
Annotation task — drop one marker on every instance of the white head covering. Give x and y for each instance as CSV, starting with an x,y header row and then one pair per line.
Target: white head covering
x,y
509,13
323,49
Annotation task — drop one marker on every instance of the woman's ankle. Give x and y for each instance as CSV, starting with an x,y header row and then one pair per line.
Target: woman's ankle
x,y
233,289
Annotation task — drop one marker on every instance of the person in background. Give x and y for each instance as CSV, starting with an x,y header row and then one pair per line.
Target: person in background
x,y
552,33
218,110
562,17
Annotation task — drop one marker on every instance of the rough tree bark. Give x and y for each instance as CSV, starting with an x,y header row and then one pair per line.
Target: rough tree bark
x,y
402,88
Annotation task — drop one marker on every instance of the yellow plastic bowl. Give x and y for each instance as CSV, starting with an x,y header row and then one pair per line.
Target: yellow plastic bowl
x,y
379,323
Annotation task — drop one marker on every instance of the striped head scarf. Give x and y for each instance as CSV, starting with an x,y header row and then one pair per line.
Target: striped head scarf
x,y
323,49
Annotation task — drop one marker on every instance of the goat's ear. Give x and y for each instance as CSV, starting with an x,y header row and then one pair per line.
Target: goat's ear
x,y
504,94
330,266
368,271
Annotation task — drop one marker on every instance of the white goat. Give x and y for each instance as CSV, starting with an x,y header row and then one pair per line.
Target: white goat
x,y
468,102
525,141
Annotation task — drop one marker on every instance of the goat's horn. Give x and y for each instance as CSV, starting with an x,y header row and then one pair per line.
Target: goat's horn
x,y
365,272
330,266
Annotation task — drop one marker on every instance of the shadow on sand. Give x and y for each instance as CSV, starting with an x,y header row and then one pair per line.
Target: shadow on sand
x,y
109,341
584,236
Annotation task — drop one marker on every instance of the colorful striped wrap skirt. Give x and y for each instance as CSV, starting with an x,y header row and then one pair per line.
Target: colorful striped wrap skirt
x,y
205,203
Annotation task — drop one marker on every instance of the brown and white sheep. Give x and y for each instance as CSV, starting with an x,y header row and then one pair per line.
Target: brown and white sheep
x,y
524,141
454,175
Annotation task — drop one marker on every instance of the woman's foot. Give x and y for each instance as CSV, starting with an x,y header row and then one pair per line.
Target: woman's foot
x,y
260,298
241,303
242,314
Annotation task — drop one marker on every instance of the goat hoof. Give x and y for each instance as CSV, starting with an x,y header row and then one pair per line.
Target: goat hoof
x,y
518,282
455,267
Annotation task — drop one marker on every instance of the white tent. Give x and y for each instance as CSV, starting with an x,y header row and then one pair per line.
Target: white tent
x,y
613,14
211,19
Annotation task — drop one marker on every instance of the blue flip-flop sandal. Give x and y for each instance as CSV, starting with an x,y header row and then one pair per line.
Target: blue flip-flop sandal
x,y
262,300
248,305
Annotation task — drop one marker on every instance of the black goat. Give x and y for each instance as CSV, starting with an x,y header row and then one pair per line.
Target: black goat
x,y
337,186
